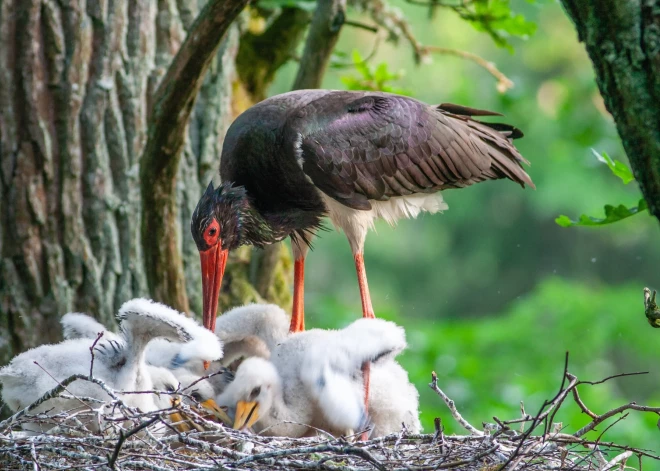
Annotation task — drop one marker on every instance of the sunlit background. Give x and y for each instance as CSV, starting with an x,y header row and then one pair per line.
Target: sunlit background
x,y
493,292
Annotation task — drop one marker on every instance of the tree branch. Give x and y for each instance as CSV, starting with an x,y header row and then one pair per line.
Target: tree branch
x,y
261,55
503,82
621,39
452,407
323,34
173,103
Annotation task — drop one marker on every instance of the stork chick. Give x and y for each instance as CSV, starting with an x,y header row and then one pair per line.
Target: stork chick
x,y
118,360
312,381
163,359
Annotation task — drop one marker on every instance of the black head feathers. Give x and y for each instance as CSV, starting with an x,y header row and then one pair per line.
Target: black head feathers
x,y
224,204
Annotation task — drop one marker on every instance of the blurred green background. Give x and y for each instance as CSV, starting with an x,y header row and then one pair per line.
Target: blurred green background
x,y
492,292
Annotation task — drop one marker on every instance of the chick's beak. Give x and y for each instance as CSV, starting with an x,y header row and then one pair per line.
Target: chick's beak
x,y
178,420
213,260
247,414
216,411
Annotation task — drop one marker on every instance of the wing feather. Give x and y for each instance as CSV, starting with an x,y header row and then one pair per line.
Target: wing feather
x,y
366,146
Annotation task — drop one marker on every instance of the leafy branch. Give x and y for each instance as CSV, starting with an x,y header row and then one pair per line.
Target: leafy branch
x,y
372,78
612,213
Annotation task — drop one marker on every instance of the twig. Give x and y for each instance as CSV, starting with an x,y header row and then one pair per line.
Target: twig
x,y
651,309
357,24
452,406
591,425
35,462
91,351
351,450
437,423
54,379
503,82
123,437
617,459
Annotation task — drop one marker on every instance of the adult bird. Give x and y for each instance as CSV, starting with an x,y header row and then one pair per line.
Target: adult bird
x,y
292,159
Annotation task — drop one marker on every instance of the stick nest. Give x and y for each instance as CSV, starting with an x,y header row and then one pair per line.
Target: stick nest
x,y
115,436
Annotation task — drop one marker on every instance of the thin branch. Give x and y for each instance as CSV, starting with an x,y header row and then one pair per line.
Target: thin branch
x,y
357,24
503,82
452,406
351,450
617,459
631,406
123,437
323,34
91,352
173,104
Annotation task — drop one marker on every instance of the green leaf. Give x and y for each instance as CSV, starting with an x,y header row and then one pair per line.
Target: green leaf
x,y
619,169
361,66
496,18
612,214
381,74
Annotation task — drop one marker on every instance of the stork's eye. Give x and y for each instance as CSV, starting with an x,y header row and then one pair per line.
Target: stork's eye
x,y
255,392
169,388
197,396
212,232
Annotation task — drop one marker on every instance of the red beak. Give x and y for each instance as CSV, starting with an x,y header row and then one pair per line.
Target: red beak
x,y
213,261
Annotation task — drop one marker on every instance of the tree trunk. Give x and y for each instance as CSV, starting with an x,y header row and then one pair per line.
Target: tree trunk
x,y
622,38
77,79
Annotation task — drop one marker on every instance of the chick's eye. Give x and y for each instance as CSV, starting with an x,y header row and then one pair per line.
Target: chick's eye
x,y
169,388
196,396
255,392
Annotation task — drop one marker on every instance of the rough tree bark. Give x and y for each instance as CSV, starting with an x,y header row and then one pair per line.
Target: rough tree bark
x,y
622,38
77,80
172,106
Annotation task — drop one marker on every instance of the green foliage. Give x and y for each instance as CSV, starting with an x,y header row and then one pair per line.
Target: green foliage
x,y
496,18
372,78
612,213
492,292
489,365
619,169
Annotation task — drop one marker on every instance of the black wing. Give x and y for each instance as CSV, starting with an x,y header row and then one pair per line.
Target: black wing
x,y
357,147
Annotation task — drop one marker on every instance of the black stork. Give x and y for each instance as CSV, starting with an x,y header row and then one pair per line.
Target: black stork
x,y
290,160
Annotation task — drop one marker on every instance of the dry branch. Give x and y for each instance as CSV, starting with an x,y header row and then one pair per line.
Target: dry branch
x,y
173,104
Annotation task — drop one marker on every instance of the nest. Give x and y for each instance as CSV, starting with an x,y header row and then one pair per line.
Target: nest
x,y
114,436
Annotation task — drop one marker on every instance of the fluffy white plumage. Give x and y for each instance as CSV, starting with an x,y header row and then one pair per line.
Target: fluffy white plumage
x,y
251,330
163,356
356,223
119,359
314,378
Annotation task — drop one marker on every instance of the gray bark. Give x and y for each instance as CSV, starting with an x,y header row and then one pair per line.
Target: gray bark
x,y
622,38
76,79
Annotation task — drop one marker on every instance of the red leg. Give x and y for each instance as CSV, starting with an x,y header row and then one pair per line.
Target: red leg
x,y
368,312
367,308
298,312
